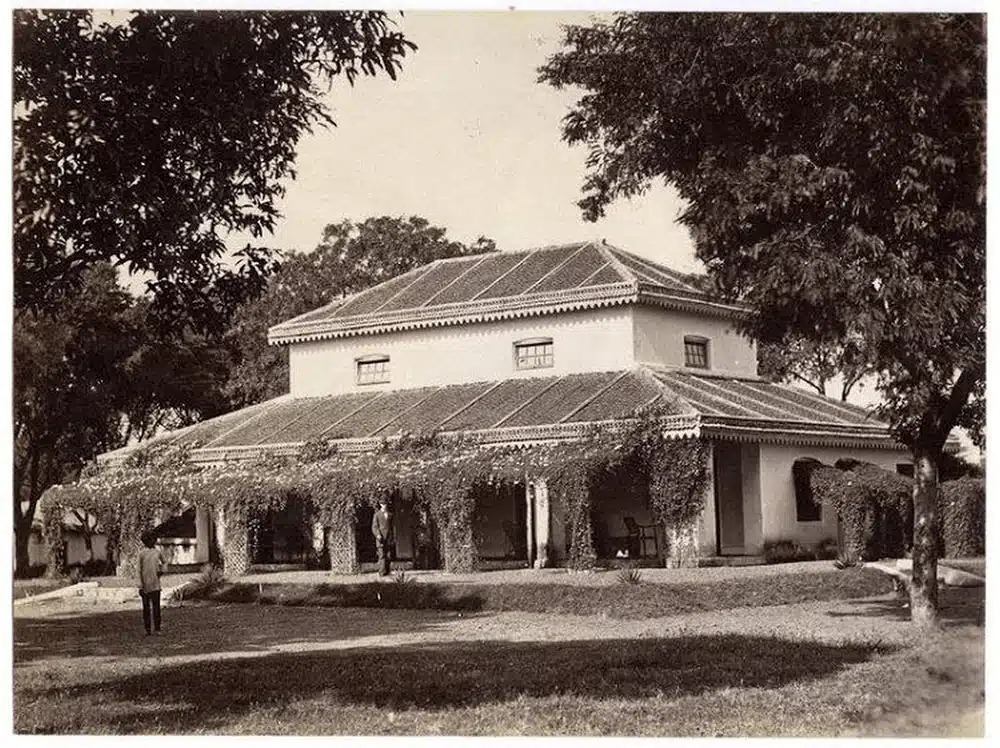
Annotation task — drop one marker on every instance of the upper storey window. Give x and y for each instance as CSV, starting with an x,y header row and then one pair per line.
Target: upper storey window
x,y
696,352
536,353
372,369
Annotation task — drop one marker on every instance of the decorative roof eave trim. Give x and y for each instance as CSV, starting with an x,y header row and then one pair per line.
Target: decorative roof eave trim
x,y
863,430
669,299
674,427
818,436
507,308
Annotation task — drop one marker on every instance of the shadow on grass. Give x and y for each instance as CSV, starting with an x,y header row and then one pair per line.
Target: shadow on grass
x,y
201,629
200,696
957,606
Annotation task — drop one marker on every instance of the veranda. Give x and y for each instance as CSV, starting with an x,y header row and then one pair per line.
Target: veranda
x,y
627,489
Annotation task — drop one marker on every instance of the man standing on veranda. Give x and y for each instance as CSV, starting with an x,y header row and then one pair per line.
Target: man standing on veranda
x,y
382,530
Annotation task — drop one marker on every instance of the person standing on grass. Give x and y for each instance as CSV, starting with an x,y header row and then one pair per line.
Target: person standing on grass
x,y
151,567
382,530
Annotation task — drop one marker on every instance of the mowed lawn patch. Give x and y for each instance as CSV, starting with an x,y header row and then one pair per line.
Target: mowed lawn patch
x,y
643,600
254,669
837,668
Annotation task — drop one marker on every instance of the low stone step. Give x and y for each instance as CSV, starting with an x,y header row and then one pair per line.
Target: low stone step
x,y
902,569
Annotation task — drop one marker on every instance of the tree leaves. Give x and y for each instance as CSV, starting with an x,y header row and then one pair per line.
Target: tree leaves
x,y
833,166
148,141
351,257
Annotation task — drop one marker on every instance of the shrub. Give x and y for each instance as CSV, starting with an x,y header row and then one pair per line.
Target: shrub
x,y
208,581
35,571
785,551
97,568
962,517
827,549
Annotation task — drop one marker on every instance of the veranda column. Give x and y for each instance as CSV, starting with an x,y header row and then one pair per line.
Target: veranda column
x,y
135,522
688,542
343,547
542,524
458,540
202,536
231,526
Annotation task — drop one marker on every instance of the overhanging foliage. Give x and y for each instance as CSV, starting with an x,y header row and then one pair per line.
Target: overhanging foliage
x,y
438,472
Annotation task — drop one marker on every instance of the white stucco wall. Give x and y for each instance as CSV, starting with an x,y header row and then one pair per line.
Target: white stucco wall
x,y
76,549
706,532
753,498
591,340
777,489
659,339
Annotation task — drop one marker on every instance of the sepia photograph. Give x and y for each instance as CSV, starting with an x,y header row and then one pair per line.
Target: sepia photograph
x,y
498,372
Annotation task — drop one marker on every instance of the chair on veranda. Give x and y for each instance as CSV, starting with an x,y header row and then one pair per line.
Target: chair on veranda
x,y
641,535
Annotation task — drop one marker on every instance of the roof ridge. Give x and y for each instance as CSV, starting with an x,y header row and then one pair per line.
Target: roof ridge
x,y
833,402
504,274
607,251
670,273
650,372
348,299
706,373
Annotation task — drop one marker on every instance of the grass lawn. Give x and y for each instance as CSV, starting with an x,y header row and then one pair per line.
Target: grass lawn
x,y
827,667
643,600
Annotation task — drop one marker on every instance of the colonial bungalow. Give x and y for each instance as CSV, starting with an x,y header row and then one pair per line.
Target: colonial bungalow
x,y
536,348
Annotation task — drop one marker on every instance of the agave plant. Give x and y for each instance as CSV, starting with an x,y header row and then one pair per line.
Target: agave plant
x,y
629,575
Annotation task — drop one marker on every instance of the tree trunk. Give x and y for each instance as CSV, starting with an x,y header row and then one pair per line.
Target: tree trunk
x,y
22,536
923,588
24,517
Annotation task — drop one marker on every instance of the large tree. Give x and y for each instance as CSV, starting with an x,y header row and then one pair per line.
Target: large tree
x,y
834,169
92,373
147,138
69,385
350,257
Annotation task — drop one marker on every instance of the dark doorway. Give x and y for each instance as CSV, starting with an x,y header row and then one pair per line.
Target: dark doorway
x,y
283,534
728,468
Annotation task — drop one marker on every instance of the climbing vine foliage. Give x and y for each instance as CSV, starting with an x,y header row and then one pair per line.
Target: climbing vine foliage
x,y
441,473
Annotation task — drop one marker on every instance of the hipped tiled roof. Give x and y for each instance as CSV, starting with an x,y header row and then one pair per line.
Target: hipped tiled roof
x,y
498,286
538,408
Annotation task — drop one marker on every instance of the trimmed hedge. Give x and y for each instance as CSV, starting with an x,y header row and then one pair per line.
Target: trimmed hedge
x,y
873,505
962,517
875,511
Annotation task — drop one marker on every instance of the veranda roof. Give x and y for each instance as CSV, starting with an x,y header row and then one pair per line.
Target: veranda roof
x,y
501,285
526,410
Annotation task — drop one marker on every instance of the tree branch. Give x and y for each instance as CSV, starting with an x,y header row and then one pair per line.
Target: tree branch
x,y
959,396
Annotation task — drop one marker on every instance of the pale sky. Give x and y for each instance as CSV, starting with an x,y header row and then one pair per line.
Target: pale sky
x,y
467,139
